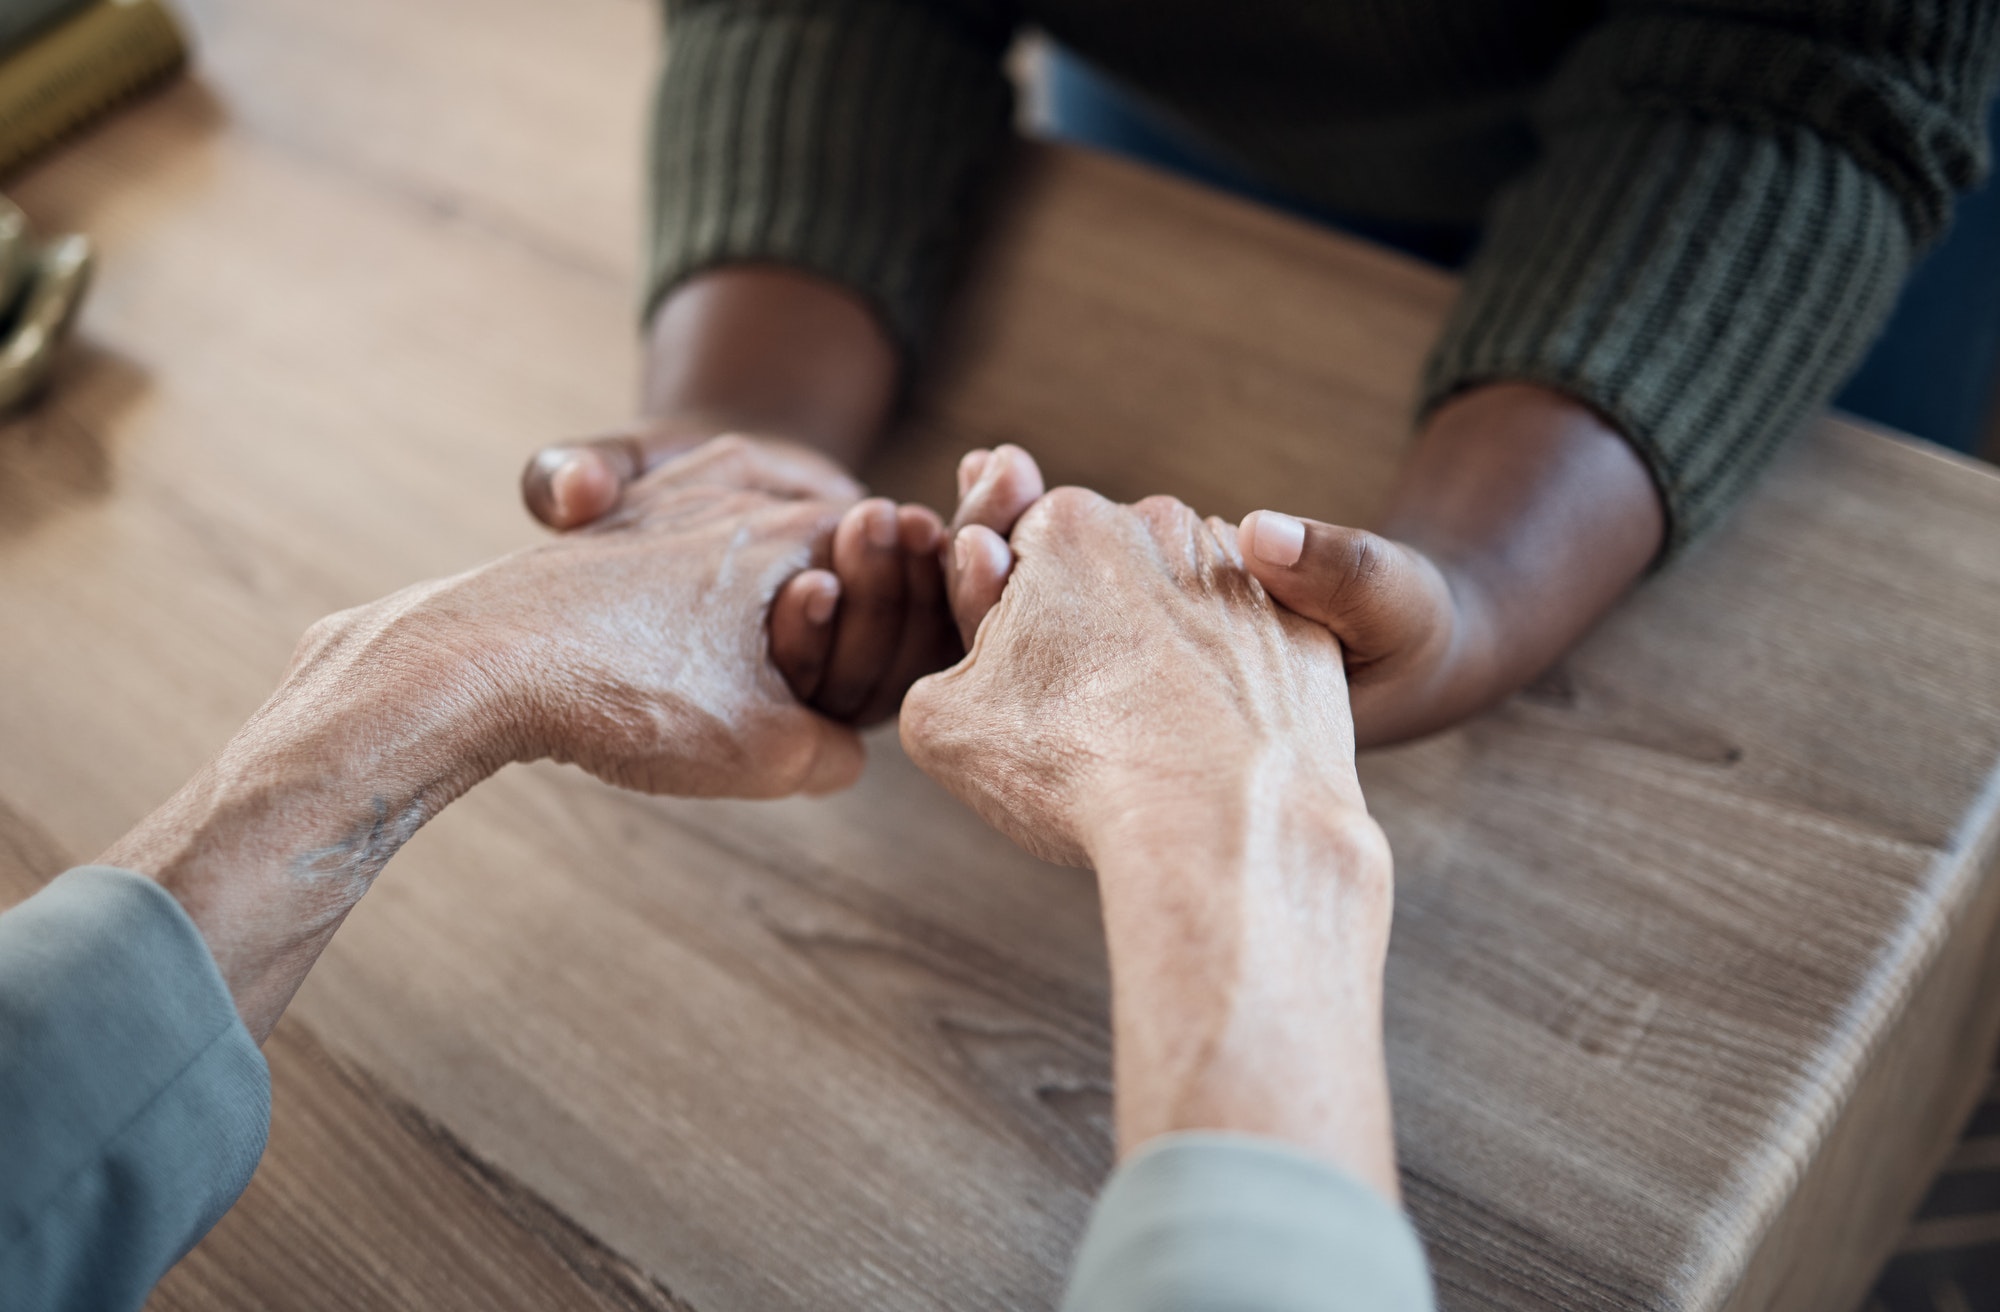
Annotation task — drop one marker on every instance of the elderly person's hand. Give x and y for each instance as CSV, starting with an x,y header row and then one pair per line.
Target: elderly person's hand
x,y
852,634
1134,701
1130,663
636,649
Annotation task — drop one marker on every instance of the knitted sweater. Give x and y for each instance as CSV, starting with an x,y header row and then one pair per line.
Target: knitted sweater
x,y
1696,214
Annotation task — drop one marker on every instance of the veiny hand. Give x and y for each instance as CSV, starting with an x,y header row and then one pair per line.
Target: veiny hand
x,y
636,647
1131,666
852,634
1404,630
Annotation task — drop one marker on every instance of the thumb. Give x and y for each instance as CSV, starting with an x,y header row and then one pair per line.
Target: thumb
x,y
977,562
570,484
837,760
1377,597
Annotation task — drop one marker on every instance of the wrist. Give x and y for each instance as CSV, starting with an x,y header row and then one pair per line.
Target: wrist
x,y
1247,943
1228,803
770,349
372,732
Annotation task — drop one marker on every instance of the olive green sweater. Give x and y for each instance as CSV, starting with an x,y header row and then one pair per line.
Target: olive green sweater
x,y
1696,215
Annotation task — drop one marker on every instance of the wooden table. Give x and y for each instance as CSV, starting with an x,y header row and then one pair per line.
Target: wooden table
x,y
1692,976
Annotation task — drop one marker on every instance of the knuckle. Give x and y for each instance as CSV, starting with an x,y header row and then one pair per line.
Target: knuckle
x,y
322,636
784,751
917,726
1061,509
1069,502
1361,563
927,716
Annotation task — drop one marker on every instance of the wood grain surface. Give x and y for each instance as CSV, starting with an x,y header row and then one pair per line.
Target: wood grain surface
x,y
1682,933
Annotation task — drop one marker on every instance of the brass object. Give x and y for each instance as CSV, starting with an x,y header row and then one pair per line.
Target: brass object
x,y
40,306
83,66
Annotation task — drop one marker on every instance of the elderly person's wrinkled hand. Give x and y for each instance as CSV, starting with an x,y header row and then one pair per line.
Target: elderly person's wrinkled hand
x,y
636,648
1134,701
1130,664
871,617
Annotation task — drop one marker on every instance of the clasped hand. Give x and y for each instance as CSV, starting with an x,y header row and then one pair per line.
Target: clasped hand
x,y
1071,657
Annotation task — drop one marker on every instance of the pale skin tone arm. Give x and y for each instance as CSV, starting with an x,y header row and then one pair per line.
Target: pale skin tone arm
x,y
1135,703
611,648
1519,517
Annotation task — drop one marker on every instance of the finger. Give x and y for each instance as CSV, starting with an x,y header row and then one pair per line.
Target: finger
x,y
569,485
970,466
1375,595
837,762
1007,483
574,483
978,566
930,637
802,629
868,557
763,464
1223,533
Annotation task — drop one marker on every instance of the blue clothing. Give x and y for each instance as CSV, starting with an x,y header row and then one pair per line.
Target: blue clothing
x,y
1232,1223
134,1107
1934,372
133,1103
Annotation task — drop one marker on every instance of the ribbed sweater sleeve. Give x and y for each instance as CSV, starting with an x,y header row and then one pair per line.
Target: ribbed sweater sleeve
x,y
1728,197
848,138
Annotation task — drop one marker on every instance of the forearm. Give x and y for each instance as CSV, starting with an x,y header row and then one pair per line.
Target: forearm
x,y
275,840
770,350
801,223
1540,516
1247,933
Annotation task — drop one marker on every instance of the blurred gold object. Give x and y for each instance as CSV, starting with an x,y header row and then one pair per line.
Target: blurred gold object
x,y
40,310
17,251
71,73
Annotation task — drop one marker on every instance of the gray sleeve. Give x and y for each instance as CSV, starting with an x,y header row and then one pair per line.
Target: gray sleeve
x,y
133,1103
1233,1223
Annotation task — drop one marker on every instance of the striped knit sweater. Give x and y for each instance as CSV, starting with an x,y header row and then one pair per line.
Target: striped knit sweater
x,y
1696,214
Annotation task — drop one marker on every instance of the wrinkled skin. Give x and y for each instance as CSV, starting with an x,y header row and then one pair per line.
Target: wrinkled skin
x,y
852,634
1130,663
1134,701
635,648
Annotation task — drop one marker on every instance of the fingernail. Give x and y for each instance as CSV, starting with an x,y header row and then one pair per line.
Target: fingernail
x,y
565,481
973,542
1278,539
922,534
881,525
970,468
820,603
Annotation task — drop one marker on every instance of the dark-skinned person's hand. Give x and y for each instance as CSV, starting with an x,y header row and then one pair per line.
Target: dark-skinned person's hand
x,y
853,636
1406,634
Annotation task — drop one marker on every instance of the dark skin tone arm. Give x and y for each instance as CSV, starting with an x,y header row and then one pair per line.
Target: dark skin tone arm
x,y
1520,517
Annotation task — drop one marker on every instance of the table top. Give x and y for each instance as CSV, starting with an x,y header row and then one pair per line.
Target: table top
x,y
1658,917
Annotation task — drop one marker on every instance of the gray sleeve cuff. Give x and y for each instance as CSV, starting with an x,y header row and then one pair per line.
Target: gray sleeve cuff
x,y
133,1103
1215,1222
